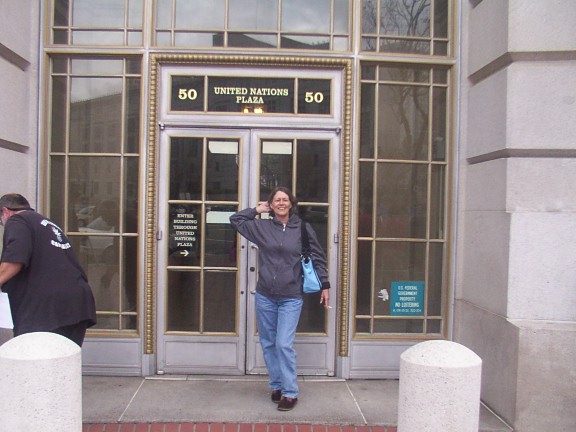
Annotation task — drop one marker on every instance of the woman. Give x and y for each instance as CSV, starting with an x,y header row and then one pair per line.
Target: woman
x,y
279,289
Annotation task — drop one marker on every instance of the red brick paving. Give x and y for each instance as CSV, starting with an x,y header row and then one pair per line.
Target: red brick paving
x,y
228,427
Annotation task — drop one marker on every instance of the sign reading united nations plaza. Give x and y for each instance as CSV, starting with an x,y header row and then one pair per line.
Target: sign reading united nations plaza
x,y
259,95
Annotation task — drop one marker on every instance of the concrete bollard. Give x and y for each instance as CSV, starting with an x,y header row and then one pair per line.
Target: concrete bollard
x,y
40,384
439,388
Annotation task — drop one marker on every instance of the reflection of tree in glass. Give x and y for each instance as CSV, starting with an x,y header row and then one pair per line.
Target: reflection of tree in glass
x,y
405,18
398,18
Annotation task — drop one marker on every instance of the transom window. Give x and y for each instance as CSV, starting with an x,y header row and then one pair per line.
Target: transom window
x,y
294,24
98,23
406,26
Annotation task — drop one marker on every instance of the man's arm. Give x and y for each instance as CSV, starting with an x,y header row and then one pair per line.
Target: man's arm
x,y
8,271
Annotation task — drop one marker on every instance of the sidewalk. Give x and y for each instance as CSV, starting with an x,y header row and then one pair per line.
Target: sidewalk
x,y
242,404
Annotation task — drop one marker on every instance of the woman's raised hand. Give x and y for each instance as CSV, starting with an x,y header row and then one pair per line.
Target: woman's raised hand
x,y
263,207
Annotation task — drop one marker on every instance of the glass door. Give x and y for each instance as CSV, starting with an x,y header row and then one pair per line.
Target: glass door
x,y
207,274
307,163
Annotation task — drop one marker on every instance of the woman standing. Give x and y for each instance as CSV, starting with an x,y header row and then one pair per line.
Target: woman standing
x,y
279,289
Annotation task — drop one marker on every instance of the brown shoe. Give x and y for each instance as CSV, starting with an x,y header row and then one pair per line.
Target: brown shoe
x,y
286,403
276,396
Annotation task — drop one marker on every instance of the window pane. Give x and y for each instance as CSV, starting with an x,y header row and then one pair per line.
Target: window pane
x,y
184,233
200,14
305,16
132,112
206,40
439,124
365,199
440,48
369,14
57,192
183,301
397,261
61,9
129,321
408,46
340,44
97,66
398,326
441,18
312,180
437,201
363,325
434,326
96,115
222,170
341,15
314,96
59,102
134,38
243,94
186,169
435,278
131,171
403,122
60,37
100,38
97,181
163,14
369,44
317,217
133,65
305,42
220,245
135,12
103,13
312,318
249,40
106,321
187,93
275,166
404,73
130,273
258,15
98,256
219,315
401,17
367,120
364,278
401,205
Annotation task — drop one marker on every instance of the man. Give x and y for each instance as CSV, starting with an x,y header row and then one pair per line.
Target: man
x,y
47,288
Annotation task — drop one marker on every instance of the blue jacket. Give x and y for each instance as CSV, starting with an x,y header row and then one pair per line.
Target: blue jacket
x,y
280,247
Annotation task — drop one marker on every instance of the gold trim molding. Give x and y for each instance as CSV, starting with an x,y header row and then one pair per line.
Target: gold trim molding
x,y
151,280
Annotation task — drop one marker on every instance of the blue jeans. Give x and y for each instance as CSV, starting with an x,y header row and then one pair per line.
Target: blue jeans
x,y
277,321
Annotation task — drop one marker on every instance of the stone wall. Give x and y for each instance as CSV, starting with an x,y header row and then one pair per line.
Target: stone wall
x,y
19,93
515,300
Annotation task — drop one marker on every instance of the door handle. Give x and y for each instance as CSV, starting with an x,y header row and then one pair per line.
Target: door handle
x,y
254,269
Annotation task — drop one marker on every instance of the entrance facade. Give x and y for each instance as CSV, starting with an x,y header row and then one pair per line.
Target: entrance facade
x,y
159,126
206,273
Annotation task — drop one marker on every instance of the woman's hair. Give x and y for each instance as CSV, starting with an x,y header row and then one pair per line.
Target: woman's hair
x,y
291,197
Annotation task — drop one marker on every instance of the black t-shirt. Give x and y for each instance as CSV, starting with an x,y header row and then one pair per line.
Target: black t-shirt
x,y
51,290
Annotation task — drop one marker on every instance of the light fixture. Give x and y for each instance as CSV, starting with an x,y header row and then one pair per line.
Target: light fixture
x,y
258,109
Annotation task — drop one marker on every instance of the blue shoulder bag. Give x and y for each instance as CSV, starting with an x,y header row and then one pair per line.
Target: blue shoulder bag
x,y
310,279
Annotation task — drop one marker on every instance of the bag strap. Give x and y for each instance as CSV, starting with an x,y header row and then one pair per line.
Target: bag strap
x,y
305,241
